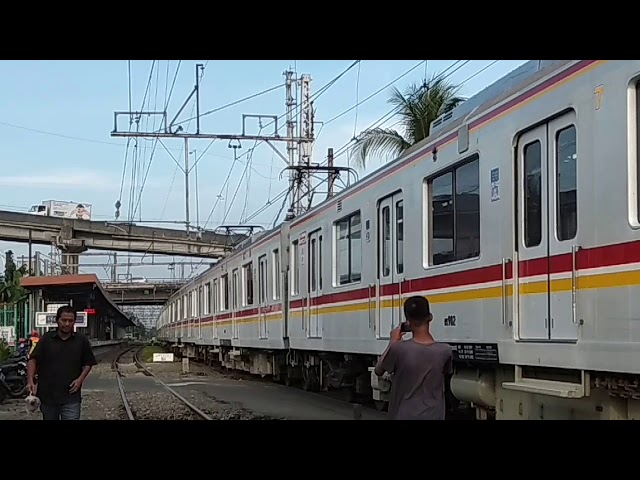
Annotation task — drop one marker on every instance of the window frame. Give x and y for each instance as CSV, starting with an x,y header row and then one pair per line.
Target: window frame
x,y
352,279
428,215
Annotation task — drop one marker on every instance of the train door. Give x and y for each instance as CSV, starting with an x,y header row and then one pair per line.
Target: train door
x,y
262,297
547,218
390,263
235,330
314,273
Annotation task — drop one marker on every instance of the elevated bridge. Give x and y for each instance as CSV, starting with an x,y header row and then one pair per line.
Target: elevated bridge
x,y
76,236
154,292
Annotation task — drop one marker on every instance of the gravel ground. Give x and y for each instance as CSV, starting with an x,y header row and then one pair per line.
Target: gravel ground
x,y
104,403
96,405
165,406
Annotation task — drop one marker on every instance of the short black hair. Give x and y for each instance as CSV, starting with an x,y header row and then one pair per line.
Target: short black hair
x,y
65,309
416,309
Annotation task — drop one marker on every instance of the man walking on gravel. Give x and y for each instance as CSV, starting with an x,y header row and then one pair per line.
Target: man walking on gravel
x,y
62,359
420,367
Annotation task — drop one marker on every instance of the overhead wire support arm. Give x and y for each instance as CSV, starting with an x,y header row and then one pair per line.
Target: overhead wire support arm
x,y
220,136
260,117
135,114
323,168
299,136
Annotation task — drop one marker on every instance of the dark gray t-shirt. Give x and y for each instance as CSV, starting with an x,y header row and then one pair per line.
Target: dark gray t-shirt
x,y
417,391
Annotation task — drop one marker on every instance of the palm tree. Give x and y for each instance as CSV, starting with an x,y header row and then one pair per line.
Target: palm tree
x,y
417,107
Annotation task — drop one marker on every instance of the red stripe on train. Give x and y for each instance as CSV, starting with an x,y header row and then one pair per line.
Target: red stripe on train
x,y
597,257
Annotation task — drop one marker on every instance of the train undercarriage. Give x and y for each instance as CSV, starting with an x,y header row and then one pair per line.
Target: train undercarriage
x,y
504,392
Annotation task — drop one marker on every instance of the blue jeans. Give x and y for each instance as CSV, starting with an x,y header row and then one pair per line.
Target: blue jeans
x,y
68,411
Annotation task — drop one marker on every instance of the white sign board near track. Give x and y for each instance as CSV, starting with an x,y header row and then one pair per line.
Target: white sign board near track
x,y
163,357
8,334
48,319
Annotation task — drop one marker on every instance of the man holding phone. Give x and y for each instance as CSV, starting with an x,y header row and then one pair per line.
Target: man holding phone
x,y
420,366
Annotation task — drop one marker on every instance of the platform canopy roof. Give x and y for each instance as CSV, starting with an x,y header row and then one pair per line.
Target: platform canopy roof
x,y
85,290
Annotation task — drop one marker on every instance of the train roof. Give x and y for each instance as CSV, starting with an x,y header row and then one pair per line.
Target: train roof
x,y
518,79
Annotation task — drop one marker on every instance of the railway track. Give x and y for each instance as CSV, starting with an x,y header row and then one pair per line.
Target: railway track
x,y
134,353
359,402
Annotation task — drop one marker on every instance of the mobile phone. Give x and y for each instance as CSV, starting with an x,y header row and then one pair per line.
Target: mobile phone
x,y
404,327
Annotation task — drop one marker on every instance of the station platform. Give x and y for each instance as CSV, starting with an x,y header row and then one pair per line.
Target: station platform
x,y
105,320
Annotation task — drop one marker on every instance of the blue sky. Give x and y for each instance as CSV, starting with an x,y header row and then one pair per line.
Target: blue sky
x,y
56,118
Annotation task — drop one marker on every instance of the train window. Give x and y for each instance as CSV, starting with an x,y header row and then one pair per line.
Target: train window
x,y
200,301
533,194
235,287
262,279
442,219
185,307
224,294
295,268
566,183
276,274
349,249
215,296
637,159
386,242
455,218
207,299
313,265
320,262
247,283
399,236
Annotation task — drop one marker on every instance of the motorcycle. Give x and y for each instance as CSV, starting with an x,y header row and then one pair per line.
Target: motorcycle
x,y
13,379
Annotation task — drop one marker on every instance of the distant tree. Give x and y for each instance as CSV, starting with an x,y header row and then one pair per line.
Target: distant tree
x,y
417,108
10,289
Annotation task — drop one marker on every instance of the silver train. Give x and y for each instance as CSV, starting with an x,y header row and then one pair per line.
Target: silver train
x,y
518,218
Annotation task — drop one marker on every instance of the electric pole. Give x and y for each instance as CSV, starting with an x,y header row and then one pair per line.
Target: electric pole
x,y
300,142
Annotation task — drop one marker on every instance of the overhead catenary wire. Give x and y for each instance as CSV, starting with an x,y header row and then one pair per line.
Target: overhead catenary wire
x,y
356,111
313,97
363,101
284,193
231,104
384,118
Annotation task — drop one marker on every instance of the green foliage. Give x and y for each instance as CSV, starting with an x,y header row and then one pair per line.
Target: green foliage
x,y
417,108
10,289
5,350
147,353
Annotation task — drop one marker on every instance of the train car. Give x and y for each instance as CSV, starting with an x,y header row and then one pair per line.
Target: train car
x,y
518,218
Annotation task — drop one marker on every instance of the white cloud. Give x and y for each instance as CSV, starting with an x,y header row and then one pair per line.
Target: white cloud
x,y
87,179
72,179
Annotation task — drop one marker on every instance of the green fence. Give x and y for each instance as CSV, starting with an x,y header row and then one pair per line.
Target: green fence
x,y
16,316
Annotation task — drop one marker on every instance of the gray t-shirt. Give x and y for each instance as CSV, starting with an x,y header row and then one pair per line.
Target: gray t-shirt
x,y
417,391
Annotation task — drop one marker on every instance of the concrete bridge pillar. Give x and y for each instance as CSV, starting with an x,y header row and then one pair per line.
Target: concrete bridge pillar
x,y
71,248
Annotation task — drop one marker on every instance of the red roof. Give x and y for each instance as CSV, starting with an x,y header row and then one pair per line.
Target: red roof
x,y
62,281
59,280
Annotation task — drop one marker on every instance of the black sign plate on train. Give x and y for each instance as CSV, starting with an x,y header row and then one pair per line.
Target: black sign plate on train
x,y
475,352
